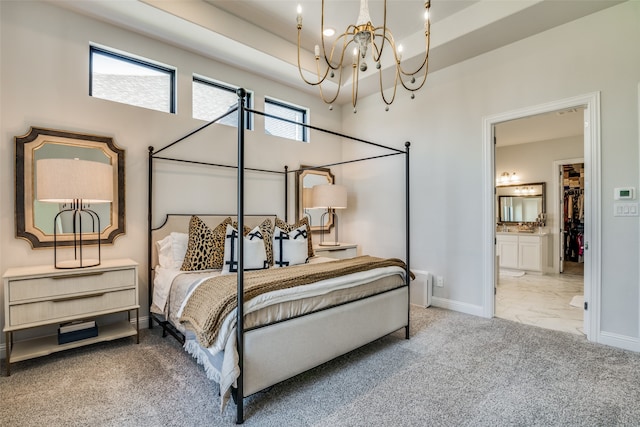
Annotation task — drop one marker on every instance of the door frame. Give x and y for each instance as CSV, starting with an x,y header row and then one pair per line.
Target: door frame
x,y
592,158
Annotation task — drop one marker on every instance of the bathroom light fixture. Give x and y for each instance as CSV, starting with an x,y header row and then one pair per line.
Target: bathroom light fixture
x,y
366,38
507,178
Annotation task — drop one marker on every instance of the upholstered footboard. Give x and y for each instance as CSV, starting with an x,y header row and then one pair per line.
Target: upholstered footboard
x,y
275,353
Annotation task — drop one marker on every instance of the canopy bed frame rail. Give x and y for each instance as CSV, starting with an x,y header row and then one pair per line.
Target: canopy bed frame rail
x,y
259,347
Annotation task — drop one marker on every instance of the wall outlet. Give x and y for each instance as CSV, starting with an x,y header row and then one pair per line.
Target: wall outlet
x,y
439,281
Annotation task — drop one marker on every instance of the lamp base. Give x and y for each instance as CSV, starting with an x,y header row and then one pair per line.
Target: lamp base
x,y
329,244
75,263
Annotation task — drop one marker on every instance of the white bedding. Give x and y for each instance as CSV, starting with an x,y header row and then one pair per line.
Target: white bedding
x,y
220,361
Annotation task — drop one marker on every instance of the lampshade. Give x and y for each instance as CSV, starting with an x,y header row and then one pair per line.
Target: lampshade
x,y
307,198
66,180
330,196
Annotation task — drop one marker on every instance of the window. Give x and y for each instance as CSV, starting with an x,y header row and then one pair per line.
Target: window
x,y
282,128
212,99
121,78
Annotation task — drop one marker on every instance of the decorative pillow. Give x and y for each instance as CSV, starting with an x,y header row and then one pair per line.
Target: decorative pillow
x,y
290,227
290,248
255,255
205,249
172,249
266,228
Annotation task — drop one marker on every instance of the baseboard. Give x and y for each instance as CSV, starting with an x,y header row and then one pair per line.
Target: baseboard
x,y
620,341
462,307
142,322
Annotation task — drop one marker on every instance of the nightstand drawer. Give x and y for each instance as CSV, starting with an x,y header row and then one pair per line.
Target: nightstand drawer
x,y
343,251
69,284
73,306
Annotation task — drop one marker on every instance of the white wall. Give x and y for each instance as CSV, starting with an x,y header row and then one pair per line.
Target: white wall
x,y
534,163
44,56
444,124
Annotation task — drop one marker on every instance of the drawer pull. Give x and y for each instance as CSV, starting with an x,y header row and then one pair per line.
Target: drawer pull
x,y
71,276
98,294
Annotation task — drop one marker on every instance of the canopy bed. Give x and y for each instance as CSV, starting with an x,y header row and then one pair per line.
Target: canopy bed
x,y
273,323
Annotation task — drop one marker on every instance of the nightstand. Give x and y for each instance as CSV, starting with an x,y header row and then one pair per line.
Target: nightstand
x,y
43,295
345,250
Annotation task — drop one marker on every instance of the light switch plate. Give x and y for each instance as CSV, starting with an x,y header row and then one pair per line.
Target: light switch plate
x,y
625,209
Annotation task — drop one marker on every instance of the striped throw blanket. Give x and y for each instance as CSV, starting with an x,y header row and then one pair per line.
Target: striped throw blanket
x,y
215,298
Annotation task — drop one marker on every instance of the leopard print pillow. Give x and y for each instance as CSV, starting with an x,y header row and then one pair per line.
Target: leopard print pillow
x,y
205,249
288,228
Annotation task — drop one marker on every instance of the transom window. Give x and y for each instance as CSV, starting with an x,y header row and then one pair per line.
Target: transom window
x,y
285,129
211,99
121,78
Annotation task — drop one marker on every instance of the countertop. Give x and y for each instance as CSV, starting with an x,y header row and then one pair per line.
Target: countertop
x,y
521,233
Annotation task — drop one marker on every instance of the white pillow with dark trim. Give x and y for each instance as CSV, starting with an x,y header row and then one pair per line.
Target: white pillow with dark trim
x,y
255,254
290,248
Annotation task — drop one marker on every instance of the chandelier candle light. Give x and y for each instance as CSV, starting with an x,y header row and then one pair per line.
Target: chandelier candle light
x,y
365,38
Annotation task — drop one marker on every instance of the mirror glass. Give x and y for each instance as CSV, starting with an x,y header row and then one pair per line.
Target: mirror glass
x,y
520,203
306,178
35,219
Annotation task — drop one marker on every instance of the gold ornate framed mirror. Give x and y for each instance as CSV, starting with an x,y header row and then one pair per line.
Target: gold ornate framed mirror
x,y
306,178
34,219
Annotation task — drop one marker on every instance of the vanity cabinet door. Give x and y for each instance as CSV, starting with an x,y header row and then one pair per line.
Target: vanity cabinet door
x,y
508,251
530,253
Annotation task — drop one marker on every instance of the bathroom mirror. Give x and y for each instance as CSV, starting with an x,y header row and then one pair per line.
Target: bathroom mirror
x,y
35,219
520,203
306,178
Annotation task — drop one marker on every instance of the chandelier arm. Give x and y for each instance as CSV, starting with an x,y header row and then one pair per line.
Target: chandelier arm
x,y
395,87
332,100
320,80
333,45
345,44
384,31
425,61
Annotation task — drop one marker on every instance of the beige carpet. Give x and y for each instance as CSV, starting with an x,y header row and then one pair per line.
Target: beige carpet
x,y
456,370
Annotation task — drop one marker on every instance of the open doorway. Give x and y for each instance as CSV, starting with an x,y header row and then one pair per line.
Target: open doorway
x,y
571,215
539,240
590,283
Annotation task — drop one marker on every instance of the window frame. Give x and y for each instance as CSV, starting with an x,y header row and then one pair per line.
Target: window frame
x,y
132,59
248,120
293,107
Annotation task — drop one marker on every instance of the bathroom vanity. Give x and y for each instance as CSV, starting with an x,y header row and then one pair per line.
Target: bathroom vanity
x,y
522,250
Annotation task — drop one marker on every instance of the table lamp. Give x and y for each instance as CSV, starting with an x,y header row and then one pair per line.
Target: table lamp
x,y
76,184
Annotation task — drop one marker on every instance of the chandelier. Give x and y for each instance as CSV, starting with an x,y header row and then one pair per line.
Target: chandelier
x,y
361,39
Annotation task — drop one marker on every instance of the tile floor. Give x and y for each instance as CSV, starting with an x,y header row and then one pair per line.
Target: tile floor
x,y
541,300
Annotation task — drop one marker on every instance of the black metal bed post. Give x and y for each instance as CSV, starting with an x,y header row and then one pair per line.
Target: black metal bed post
x,y
150,243
240,290
286,193
407,276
